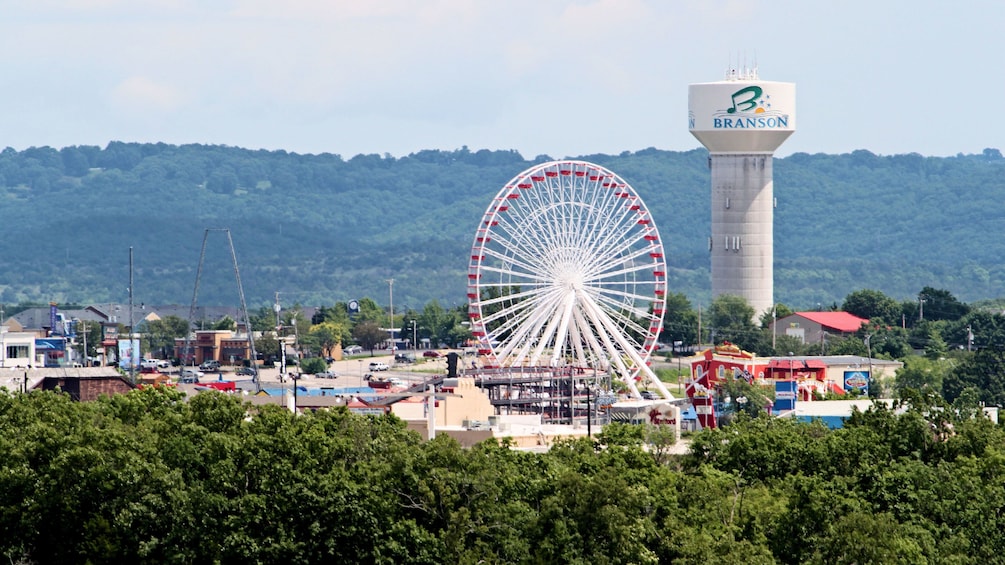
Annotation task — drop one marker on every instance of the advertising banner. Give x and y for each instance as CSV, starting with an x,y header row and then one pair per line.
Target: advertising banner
x,y
785,396
129,354
857,381
53,349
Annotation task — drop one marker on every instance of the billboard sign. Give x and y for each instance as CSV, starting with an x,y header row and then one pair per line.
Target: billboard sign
x,y
53,348
857,381
785,396
129,354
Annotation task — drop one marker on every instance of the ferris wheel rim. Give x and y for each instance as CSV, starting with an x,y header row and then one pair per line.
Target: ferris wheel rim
x,y
567,298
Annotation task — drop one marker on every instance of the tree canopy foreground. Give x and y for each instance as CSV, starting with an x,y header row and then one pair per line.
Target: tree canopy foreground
x,y
149,477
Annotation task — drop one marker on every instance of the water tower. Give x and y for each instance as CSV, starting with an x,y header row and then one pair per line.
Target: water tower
x,y
741,121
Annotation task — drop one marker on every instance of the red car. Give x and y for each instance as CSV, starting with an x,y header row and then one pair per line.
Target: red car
x,y
431,354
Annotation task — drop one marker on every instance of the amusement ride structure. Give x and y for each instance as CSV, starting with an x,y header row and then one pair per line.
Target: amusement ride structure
x,y
567,276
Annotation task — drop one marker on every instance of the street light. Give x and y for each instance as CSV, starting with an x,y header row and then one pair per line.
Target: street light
x,y
390,299
868,345
415,343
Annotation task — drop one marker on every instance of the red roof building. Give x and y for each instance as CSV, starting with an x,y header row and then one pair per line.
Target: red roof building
x,y
814,327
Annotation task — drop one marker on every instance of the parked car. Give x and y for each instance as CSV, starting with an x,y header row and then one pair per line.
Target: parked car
x,y
432,354
404,358
352,350
327,375
378,366
210,365
245,371
191,375
648,395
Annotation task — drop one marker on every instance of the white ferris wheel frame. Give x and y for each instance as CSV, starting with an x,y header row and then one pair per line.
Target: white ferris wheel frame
x,y
567,269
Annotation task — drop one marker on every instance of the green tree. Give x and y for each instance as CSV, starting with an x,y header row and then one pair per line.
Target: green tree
x,y
872,305
267,345
224,323
328,335
369,335
731,319
680,321
313,365
920,373
939,304
161,334
935,346
984,371
370,311
769,316
90,333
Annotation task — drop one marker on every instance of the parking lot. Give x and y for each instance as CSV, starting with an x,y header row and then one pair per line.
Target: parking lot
x,y
351,372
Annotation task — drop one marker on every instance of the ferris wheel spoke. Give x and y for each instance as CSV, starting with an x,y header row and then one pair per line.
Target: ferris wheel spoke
x,y
516,298
525,334
602,355
617,256
608,338
562,327
635,302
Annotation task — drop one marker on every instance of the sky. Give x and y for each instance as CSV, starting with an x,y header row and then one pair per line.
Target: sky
x,y
561,78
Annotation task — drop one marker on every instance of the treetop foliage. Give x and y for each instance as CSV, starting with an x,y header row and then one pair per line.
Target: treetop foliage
x,y
150,477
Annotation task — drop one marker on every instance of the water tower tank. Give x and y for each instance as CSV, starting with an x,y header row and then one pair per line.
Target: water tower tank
x,y
741,121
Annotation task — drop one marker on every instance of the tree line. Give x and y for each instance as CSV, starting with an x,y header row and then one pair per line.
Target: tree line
x,y
333,229
150,477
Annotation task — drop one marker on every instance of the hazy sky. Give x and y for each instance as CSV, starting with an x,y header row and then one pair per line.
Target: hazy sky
x,y
554,77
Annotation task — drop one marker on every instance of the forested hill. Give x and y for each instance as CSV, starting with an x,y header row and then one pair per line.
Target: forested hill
x,y
320,228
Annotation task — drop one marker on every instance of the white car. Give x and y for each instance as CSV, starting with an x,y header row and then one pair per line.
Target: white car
x,y
378,366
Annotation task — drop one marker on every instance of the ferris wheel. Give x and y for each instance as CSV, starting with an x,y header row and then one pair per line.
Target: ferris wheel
x,y
567,270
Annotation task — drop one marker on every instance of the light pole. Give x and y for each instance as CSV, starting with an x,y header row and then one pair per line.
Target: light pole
x,y
868,346
282,344
390,299
415,344
774,325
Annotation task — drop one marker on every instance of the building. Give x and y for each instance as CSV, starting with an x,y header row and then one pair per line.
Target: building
x,y
81,383
224,346
17,349
817,327
741,120
807,376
